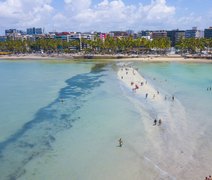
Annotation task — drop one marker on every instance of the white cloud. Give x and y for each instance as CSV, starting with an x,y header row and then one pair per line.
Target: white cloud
x,y
83,15
115,14
76,6
25,13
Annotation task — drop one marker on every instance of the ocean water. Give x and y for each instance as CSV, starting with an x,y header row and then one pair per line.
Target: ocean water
x,y
62,120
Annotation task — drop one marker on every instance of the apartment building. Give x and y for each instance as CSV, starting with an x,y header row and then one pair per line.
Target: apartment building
x,y
208,33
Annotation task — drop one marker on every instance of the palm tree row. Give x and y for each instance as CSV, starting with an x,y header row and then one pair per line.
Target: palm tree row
x,y
113,45
109,45
192,45
45,45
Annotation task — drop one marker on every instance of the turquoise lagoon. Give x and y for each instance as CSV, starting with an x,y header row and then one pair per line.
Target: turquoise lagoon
x,y
62,120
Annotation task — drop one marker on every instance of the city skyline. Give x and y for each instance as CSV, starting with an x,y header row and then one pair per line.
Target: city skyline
x,y
105,15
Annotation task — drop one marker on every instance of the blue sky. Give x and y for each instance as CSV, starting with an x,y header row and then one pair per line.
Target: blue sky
x,y
105,15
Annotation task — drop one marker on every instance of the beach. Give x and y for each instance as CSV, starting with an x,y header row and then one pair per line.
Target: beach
x,y
143,58
170,135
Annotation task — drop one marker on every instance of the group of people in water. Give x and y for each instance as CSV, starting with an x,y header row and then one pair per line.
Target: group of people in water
x,y
159,122
208,88
136,86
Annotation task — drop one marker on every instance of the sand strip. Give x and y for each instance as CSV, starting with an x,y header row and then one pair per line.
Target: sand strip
x,y
134,81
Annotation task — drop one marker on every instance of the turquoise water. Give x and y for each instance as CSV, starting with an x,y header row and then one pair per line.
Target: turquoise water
x,y
63,121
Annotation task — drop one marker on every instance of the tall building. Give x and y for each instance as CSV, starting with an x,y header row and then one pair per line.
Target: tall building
x,y
3,38
10,31
159,34
118,34
32,31
130,32
14,33
144,33
175,36
193,33
208,33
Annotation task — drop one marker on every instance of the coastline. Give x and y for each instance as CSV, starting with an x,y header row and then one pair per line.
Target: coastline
x,y
146,58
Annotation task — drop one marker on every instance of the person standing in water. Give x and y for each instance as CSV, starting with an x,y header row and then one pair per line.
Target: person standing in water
x,y
120,142
155,122
159,122
172,98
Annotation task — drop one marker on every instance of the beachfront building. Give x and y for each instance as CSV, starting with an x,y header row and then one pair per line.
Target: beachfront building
x,y
81,38
102,36
3,38
8,32
62,36
86,37
130,32
14,34
144,34
175,36
50,35
118,34
194,33
208,33
33,31
159,34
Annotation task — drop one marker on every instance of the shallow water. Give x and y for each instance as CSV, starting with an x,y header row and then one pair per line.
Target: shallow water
x,y
63,121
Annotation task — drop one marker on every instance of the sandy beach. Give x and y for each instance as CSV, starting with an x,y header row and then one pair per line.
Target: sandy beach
x,y
146,58
134,81
162,108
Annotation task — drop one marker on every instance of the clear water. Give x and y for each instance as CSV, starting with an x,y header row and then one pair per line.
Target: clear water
x,y
63,121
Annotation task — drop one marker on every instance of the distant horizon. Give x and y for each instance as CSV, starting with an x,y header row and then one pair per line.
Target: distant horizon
x,y
105,15
107,31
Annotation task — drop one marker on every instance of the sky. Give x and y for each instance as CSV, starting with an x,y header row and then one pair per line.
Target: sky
x,y
105,15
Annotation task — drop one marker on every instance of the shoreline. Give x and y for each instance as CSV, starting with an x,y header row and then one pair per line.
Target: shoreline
x,y
146,58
